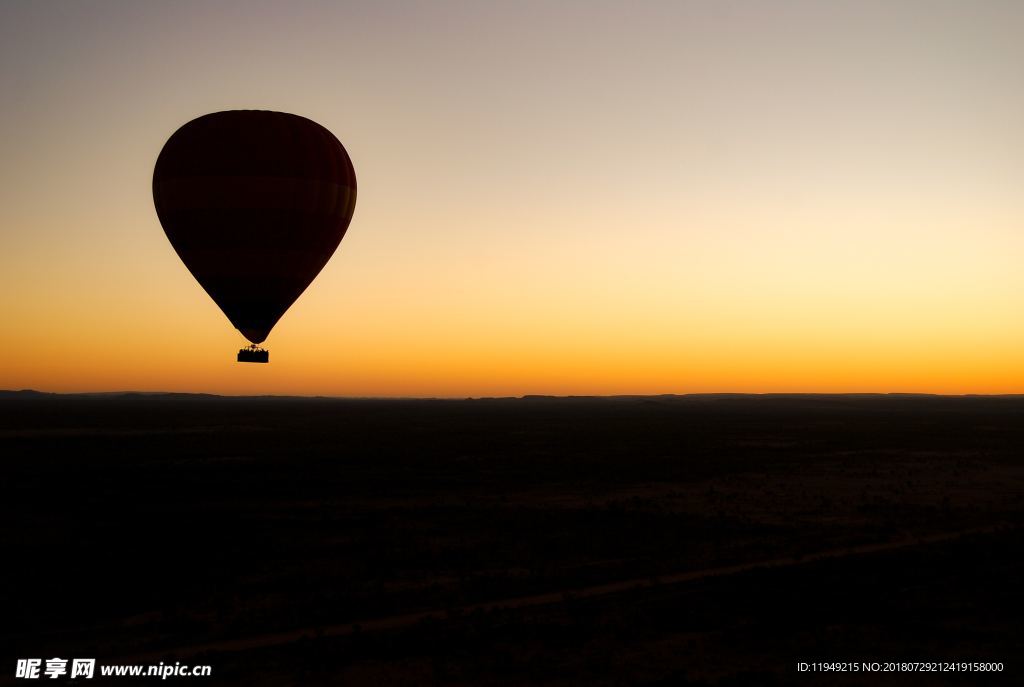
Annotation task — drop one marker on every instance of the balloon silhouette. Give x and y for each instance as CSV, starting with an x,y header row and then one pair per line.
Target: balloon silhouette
x,y
255,203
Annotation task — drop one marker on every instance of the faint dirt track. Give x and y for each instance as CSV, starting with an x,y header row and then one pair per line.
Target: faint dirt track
x,y
409,619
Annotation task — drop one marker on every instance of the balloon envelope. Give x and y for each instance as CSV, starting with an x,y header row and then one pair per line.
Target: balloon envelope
x,y
255,203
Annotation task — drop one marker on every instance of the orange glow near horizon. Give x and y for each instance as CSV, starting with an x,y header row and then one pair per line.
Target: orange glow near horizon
x,y
552,200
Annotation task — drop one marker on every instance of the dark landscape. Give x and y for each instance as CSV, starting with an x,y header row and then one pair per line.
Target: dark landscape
x,y
670,540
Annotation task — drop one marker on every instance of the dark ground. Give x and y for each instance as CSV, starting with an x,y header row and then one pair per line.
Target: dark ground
x,y
318,541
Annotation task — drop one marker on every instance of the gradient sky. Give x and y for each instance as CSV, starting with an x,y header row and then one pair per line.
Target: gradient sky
x,y
554,197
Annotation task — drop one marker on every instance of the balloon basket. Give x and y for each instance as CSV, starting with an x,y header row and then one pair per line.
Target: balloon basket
x,y
253,354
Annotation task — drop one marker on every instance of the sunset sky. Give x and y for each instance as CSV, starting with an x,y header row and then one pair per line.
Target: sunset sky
x,y
561,197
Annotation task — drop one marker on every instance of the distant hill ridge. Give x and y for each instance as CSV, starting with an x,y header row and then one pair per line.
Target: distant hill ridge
x,y
32,394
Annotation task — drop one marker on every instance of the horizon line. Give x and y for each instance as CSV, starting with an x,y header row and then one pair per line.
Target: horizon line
x,y
27,393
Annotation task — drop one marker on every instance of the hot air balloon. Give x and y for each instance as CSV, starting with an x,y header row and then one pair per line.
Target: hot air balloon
x,y
255,203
